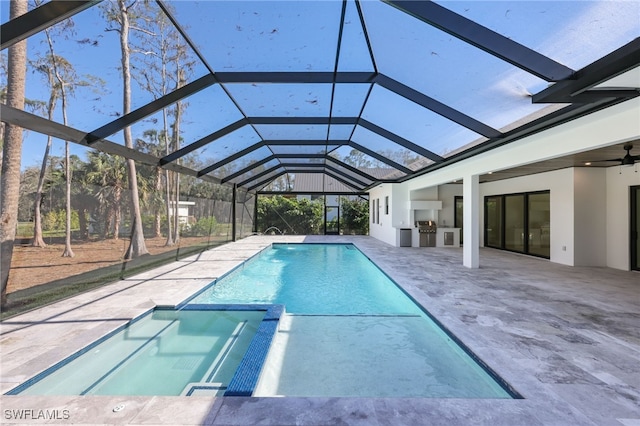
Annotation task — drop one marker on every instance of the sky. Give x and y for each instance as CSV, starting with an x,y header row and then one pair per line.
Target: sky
x,y
302,36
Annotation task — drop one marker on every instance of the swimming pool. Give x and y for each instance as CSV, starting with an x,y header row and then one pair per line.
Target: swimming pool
x,y
196,350
349,330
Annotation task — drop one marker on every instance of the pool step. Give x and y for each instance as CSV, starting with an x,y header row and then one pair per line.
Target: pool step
x,y
206,387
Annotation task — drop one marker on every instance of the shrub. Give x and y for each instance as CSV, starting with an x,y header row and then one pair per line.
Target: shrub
x,y
203,227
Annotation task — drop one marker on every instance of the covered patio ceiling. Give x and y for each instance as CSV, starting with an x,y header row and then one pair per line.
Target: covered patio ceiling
x,y
362,92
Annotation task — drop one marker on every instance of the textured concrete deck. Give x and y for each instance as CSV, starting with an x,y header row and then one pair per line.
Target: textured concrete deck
x,y
567,339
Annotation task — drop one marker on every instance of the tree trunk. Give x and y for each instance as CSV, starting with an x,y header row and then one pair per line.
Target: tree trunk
x,y
137,245
176,147
67,166
158,218
12,152
117,213
84,226
38,241
167,179
51,106
63,95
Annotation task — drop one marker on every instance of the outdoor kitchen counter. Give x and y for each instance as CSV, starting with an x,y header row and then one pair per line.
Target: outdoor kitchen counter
x,y
448,237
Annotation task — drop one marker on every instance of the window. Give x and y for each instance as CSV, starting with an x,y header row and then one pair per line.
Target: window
x,y
518,222
386,205
373,210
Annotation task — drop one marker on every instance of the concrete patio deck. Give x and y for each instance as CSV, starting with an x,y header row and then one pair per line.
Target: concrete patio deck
x,y
566,338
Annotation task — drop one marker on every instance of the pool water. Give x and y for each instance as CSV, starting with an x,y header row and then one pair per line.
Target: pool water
x,y
167,352
349,330
318,279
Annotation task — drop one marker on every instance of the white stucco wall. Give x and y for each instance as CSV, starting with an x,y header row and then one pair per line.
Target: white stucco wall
x,y
384,230
590,213
399,211
447,194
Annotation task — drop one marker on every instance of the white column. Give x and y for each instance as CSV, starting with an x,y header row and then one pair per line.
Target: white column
x,y
471,221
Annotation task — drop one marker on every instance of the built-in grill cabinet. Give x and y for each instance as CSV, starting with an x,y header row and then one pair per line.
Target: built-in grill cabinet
x,y
427,231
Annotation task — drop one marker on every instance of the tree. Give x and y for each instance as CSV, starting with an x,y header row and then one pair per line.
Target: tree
x,y
108,173
12,151
355,215
290,215
38,241
151,177
153,77
119,14
357,159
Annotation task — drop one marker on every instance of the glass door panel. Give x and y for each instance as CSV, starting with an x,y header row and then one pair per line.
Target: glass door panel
x,y
458,218
635,228
539,225
493,222
514,223
332,220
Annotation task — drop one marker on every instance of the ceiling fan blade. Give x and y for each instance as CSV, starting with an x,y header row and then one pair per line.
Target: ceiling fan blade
x,y
610,160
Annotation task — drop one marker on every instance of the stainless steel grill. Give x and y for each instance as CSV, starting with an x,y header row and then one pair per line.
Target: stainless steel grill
x,y
427,230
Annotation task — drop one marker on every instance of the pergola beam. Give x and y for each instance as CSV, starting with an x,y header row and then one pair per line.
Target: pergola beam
x,y
203,141
150,108
295,77
266,182
381,158
38,19
344,181
303,120
350,168
438,107
399,140
41,125
262,174
346,176
578,90
485,39
246,169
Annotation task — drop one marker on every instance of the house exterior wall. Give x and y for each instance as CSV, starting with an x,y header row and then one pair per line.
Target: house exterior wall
x,y
560,185
589,211
447,194
384,230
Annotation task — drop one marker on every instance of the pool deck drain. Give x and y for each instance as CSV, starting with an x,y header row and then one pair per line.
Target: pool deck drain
x,y
566,338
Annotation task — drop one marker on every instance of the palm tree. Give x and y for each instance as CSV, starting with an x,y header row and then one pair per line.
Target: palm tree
x,y
152,177
108,173
12,151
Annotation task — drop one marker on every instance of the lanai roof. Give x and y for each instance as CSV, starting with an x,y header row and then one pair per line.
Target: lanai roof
x,y
341,88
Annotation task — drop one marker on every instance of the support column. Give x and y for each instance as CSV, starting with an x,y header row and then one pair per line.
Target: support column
x,y
255,214
471,221
233,212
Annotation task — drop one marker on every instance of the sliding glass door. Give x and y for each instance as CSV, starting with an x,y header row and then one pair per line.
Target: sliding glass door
x,y
539,214
635,228
493,222
514,221
518,222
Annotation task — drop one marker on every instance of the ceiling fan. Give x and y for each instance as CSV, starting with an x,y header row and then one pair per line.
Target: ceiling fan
x,y
628,159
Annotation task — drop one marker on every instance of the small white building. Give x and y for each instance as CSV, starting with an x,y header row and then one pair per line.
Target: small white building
x,y
185,212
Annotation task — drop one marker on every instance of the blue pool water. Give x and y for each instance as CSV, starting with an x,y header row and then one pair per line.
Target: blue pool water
x,y
319,279
349,330
166,352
